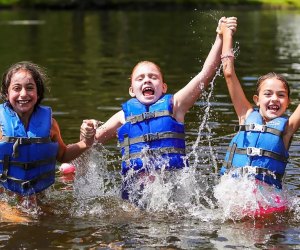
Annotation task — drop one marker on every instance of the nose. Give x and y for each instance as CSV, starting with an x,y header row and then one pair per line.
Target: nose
x,y
274,97
23,92
147,78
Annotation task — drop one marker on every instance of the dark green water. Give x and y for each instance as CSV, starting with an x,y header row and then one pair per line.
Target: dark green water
x,y
89,57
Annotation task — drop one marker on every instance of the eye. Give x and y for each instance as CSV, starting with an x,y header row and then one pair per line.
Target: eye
x,y
16,88
30,87
282,94
267,93
139,78
153,77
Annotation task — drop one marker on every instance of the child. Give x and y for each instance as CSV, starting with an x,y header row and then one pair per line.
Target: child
x,y
30,140
261,145
152,122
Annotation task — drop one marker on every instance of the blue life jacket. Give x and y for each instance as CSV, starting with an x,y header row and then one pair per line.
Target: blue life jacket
x,y
27,157
259,148
151,128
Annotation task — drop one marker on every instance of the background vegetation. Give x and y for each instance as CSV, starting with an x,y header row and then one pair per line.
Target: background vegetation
x,y
143,4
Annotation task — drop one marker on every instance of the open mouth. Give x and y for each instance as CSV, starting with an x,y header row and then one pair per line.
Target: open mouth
x,y
273,108
23,102
148,91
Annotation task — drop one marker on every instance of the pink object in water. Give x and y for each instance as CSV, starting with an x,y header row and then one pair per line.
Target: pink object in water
x,y
67,168
269,210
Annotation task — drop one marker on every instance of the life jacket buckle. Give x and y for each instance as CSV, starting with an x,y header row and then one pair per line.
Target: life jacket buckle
x,y
151,137
249,170
148,115
257,127
252,151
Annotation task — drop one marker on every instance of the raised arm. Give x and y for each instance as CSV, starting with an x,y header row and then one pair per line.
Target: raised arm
x,y
241,105
293,126
185,98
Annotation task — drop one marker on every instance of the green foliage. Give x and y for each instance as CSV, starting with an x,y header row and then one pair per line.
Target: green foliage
x,y
141,3
8,2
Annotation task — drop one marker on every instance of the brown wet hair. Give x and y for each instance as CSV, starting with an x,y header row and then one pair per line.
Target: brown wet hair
x,y
270,76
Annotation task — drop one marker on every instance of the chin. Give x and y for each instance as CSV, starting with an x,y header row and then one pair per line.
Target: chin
x,y
148,101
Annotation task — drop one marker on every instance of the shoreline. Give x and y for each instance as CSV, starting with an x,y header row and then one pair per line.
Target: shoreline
x,y
148,5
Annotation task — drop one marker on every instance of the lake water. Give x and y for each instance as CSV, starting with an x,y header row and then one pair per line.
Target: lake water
x,y
89,57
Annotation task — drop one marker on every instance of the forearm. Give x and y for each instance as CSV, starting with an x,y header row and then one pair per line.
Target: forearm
x,y
185,98
212,62
73,151
241,105
109,129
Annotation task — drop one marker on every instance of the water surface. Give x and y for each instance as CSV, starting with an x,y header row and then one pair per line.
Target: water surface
x,y
89,57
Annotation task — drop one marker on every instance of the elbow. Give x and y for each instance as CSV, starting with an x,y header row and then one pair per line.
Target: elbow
x,y
228,71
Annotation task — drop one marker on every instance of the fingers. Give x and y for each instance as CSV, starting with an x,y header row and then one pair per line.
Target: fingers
x,y
219,29
87,129
231,23
92,122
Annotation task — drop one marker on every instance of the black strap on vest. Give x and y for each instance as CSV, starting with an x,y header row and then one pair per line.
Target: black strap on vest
x,y
3,175
147,115
23,141
259,128
251,151
29,165
29,183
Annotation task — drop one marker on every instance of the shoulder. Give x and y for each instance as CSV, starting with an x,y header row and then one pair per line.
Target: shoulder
x,y
55,131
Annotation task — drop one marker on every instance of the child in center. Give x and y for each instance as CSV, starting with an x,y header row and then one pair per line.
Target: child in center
x,y
152,122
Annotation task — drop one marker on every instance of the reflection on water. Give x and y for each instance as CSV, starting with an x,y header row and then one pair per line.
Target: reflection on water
x,y
89,56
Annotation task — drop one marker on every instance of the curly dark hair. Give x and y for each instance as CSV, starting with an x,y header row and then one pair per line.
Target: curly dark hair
x,y
38,74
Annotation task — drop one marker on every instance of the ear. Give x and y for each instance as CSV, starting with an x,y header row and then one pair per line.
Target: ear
x,y
131,93
255,99
165,88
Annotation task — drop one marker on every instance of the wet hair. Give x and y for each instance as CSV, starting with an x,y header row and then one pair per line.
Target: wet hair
x,y
38,74
270,76
147,62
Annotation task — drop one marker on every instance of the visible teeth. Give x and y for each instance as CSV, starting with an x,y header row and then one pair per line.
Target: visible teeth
x,y
273,107
148,89
23,102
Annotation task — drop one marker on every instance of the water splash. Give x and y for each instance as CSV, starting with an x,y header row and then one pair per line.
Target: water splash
x,y
244,196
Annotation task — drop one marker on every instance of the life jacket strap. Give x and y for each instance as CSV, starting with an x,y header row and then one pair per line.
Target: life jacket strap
x,y
258,128
251,151
23,141
153,152
231,149
3,175
28,183
26,165
147,115
151,137
257,170
26,140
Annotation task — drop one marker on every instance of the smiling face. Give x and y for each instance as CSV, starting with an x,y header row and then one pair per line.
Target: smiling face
x,y
146,83
22,93
272,99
